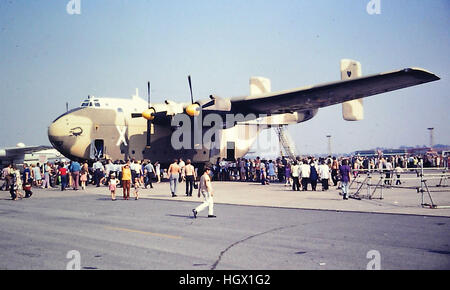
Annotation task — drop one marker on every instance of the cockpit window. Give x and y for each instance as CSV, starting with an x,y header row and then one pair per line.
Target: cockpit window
x,y
87,103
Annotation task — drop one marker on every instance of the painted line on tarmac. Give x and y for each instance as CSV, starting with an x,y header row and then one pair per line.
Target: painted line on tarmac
x,y
144,233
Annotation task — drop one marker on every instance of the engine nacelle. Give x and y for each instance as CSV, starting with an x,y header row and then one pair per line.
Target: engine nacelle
x,y
303,116
161,113
172,108
351,110
216,104
285,119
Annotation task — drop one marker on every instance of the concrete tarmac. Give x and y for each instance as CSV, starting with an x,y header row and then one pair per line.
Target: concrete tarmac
x,y
257,228
403,199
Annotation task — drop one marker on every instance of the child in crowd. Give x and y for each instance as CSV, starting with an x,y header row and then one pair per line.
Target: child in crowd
x,y
83,178
136,187
112,186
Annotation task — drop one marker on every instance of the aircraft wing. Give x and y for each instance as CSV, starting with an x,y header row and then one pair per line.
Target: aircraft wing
x,y
324,95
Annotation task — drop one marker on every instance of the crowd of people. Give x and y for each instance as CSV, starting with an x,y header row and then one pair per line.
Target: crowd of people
x,y
299,173
264,170
134,174
302,173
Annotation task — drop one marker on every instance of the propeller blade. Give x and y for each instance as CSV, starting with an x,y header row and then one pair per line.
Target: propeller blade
x,y
149,127
148,94
149,122
208,104
190,88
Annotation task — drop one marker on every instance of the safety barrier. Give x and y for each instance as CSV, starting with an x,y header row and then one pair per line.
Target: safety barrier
x,y
423,175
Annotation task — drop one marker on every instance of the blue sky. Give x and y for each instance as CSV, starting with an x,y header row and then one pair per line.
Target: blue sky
x,y
48,58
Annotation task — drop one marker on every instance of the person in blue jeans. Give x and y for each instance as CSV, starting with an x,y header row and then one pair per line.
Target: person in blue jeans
x,y
62,171
344,172
75,169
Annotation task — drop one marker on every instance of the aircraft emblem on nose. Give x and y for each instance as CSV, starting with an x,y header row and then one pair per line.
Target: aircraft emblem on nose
x,y
77,131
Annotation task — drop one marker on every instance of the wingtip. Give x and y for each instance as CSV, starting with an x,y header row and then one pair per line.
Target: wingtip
x,y
431,76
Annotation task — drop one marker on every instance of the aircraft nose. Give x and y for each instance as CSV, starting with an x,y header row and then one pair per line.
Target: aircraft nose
x,y
56,131
70,134
60,126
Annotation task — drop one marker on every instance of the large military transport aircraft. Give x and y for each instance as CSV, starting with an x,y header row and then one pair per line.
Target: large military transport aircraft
x,y
213,127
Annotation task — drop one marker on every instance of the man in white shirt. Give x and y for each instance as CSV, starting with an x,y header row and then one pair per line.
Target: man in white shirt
x,y
205,188
388,172
99,171
109,169
305,171
324,174
295,173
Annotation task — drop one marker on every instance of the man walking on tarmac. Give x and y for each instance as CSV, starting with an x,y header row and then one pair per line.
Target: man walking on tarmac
x,y
205,188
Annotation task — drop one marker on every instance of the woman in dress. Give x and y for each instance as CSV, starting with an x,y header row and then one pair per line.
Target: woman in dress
x,y
271,171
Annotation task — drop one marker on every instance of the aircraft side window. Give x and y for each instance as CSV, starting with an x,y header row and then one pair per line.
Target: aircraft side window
x,y
97,104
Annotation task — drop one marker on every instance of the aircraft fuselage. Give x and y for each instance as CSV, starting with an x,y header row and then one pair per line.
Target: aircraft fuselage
x,y
91,132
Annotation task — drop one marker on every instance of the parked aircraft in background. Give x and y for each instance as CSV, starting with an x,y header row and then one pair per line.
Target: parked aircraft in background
x,y
28,154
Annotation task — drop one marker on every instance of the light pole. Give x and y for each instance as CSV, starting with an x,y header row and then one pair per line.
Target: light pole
x,y
431,138
329,144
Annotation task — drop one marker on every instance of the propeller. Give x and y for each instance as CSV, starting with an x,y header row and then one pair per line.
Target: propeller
x,y
192,109
148,114
149,117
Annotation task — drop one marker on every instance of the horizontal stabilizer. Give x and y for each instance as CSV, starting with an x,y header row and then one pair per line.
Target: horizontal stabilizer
x,y
259,86
352,110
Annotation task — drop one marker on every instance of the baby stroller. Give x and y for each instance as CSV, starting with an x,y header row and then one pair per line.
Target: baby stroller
x,y
27,189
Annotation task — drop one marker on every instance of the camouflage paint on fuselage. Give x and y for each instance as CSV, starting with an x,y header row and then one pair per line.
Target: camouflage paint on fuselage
x,y
123,137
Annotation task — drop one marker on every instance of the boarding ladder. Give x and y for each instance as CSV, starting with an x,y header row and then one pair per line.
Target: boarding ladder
x,y
287,147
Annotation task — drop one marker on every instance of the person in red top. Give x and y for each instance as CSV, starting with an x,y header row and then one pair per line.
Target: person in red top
x,y
62,172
